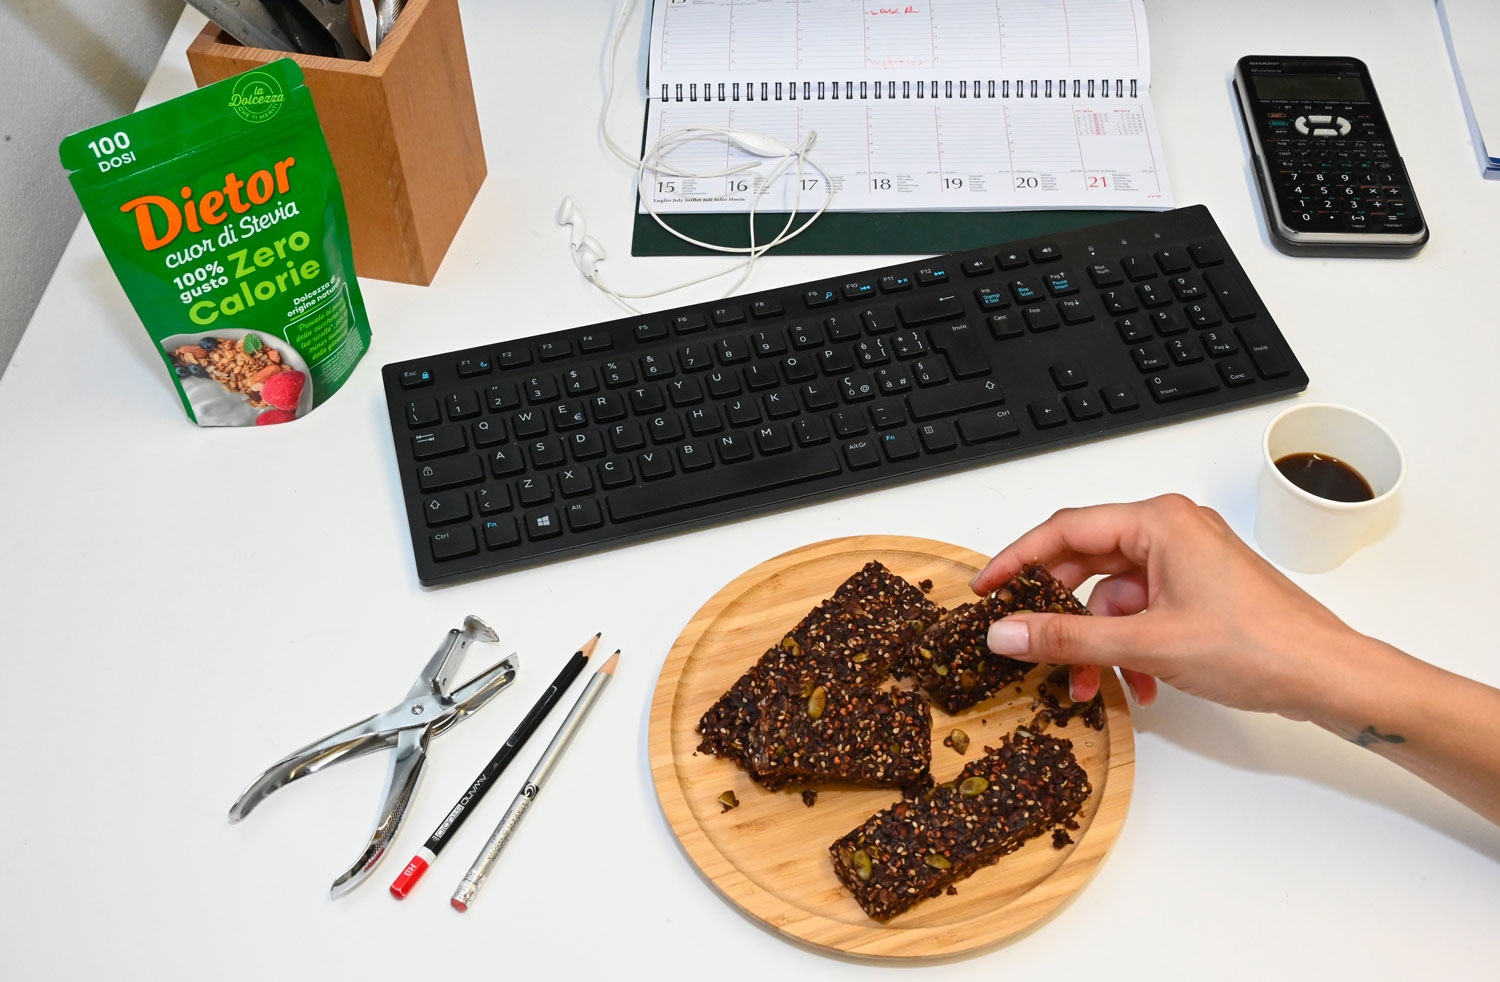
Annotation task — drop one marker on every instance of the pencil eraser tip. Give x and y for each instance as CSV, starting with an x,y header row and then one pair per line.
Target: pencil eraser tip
x,y
409,877
459,905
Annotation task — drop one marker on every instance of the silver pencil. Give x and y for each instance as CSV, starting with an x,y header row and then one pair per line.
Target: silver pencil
x,y
469,886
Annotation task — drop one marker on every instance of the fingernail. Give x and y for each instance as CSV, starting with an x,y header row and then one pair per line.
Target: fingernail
x,y
1008,637
974,579
1073,689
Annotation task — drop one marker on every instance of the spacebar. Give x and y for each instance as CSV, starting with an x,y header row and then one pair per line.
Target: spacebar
x,y
732,481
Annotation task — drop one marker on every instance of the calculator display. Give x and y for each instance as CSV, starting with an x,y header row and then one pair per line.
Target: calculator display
x,y
1310,88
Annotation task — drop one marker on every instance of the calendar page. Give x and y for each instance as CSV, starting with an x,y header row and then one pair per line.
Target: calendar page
x,y
937,105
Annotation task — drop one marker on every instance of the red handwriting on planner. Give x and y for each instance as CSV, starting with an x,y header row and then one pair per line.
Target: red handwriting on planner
x,y
908,9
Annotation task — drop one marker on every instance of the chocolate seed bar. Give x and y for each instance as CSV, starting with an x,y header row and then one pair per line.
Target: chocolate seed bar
x,y
841,734
918,848
852,639
952,661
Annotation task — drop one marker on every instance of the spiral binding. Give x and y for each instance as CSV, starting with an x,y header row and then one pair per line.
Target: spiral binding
x,y
807,91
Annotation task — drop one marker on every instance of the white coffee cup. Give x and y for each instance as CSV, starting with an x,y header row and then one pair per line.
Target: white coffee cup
x,y
1301,531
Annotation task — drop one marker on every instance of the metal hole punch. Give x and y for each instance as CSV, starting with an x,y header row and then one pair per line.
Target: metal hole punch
x,y
428,709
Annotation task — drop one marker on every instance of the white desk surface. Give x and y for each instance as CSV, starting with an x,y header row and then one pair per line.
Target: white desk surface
x,y
180,607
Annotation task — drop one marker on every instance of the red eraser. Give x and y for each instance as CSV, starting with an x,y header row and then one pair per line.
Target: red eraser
x,y
459,905
408,877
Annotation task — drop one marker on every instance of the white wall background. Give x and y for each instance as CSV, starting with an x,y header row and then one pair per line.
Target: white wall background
x,y
64,65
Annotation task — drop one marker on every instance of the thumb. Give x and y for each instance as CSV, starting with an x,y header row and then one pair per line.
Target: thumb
x,y
1068,639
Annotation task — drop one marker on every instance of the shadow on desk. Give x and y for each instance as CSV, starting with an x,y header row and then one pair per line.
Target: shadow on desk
x,y
1307,754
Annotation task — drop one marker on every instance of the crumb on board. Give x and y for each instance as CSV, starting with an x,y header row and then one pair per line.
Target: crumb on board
x,y
728,800
809,797
925,586
1060,838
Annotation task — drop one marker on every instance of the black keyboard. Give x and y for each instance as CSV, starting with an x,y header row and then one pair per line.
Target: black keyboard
x,y
534,449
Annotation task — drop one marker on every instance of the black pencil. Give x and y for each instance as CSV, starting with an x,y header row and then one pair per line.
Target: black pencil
x,y
481,784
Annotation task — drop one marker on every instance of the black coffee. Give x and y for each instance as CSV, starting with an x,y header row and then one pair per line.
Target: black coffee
x,y
1326,477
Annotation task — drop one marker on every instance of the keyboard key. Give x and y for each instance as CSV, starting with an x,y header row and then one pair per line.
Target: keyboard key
x,y
1186,288
517,355
805,335
773,438
900,445
647,399
1119,398
1260,340
528,422
820,297
704,420
1138,267
506,461
453,543
554,350
584,515
977,266
595,341
1040,317
1075,310
609,407
545,452
492,498
502,395
540,388
1235,372
422,412
1184,351
937,436
411,378
694,456
1203,314
895,282
690,322
908,344
435,443
722,385
1047,413
929,371
861,453
984,427
649,331
627,436
847,422
819,396
1232,295
766,307
1133,329
542,524
742,412
780,404
857,289
1068,375
878,320
1005,326
451,472
1104,274
618,373
1025,291
1152,295
470,367
892,380
842,327
1149,357
1182,384
1061,284
964,348
731,350
929,309
990,298
664,428
442,509
656,366
720,483
500,532
462,404
580,381
946,400
574,481
615,472
858,386
654,464
1218,343
685,391
1011,260
1172,261
1045,252
761,377
695,357
568,416
1083,406
810,430
1167,323
1119,301
885,415
733,447
930,275
872,351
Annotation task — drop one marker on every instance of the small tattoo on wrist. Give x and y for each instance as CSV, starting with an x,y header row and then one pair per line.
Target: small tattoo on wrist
x,y
1370,736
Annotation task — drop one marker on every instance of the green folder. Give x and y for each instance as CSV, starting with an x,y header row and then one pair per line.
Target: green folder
x,y
862,233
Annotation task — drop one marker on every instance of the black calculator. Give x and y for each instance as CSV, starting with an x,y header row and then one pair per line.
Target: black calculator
x,y
1326,162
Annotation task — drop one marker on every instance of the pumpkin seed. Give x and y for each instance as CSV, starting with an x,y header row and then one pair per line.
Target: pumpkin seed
x,y
863,868
938,861
728,800
959,741
973,786
816,702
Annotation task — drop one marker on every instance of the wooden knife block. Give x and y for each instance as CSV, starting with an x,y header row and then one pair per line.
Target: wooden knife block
x,y
401,128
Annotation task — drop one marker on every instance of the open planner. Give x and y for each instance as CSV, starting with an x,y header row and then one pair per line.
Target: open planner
x,y
927,106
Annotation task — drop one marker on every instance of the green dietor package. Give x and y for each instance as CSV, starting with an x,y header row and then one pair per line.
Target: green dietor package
x,y
222,216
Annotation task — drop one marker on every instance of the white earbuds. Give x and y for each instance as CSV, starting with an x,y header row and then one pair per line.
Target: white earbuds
x,y
587,251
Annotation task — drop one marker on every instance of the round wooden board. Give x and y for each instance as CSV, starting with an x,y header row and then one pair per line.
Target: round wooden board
x,y
770,855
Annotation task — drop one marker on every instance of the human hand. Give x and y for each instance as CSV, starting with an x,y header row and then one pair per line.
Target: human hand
x,y
1183,600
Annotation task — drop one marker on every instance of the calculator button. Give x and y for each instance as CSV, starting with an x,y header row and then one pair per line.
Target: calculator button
x,y
1343,126
1320,119
1301,124
1325,131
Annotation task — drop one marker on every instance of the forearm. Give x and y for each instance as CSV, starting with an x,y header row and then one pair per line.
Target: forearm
x,y
1440,726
